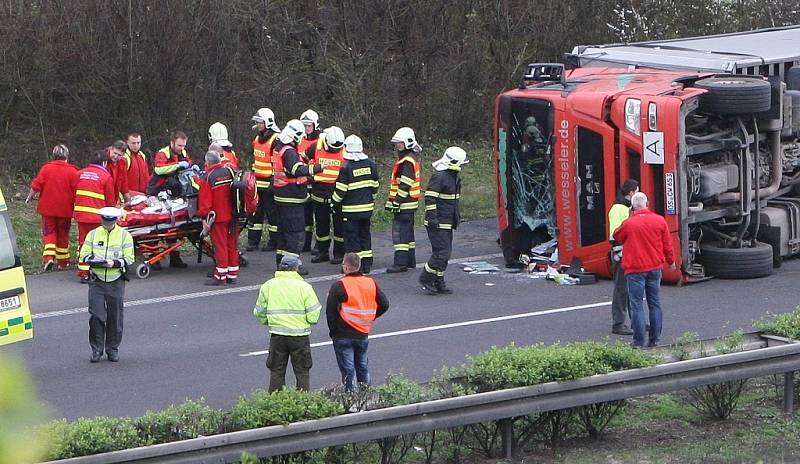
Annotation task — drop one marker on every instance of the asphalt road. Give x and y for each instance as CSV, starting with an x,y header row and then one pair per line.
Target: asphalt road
x,y
184,340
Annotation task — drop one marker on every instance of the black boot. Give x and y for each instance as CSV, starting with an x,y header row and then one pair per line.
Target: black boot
x,y
428,283
176,261
307,243
441,287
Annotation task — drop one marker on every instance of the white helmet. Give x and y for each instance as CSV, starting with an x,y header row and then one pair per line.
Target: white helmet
x,y
354,148
334,138
453,158
405,135
310,117
266,116
218,133
293,132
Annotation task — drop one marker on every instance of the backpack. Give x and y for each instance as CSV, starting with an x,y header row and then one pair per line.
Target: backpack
x,y
244,196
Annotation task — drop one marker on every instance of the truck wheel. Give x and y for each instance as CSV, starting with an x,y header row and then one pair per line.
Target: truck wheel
x,y
736,263
734,95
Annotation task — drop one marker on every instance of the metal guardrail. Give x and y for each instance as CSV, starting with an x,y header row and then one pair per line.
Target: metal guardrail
x,y
465,410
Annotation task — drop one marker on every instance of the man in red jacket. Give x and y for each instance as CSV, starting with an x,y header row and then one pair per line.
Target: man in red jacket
x,y
215,195
648,246
118,168
136,163
54,185
94,189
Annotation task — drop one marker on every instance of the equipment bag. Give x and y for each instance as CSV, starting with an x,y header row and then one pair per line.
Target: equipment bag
x,y
244,194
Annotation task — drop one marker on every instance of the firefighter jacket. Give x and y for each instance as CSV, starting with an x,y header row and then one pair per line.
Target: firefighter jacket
x,y
119,173
357,186
290,178
404,184
441,200
262,158
307,142
288,305
115,245
353,303
331,162
94,189
231,157
54,184
138,170
215,192
165,164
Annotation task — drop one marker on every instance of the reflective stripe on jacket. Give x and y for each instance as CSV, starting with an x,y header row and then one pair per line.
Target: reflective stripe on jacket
x,y
331,163
361,306
357,186
287,304
262,160
94,189
116,245
138,170
441,200
403,188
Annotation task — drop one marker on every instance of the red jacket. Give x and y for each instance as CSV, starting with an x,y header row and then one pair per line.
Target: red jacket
x,y
94,189
646,242
138,171
165,164
215,193
54,184
231,156
119,173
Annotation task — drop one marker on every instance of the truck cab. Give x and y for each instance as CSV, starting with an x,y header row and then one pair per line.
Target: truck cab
x,y
708,126
15,316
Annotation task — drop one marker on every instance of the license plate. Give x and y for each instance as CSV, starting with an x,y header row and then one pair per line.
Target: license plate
x,y
9,303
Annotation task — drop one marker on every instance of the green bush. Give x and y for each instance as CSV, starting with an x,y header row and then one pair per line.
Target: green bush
x,y
783,325
91,436
262,408
188,420
681,349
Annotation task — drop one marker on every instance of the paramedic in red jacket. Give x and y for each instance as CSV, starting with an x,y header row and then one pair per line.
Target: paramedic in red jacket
x,y
54,185
118,168
94,189
215,195
648,246
136,162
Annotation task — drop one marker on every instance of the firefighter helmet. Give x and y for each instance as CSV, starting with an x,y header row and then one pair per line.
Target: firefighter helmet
x,y
310,117
218,133
405,135
453,158
293,132
334,138
353,144
266,116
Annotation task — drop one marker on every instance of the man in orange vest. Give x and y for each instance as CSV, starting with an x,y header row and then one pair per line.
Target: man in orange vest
x,y
354,302
94,189
263,144
328,152
136,162
403,199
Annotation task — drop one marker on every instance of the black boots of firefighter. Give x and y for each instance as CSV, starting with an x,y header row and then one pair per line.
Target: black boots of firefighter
x,y
428,282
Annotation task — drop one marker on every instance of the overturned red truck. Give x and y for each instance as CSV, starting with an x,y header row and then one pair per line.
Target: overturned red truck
x,y
709,126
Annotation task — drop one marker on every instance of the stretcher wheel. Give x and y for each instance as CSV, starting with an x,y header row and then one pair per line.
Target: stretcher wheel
x,y
143,271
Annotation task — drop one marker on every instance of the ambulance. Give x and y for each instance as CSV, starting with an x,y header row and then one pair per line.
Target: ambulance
x,y
15,315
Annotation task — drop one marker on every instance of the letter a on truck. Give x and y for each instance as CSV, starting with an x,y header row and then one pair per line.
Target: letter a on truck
x,y
15,315
709,126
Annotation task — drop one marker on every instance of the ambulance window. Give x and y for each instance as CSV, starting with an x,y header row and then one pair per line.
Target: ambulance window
x,y
8,244
591,198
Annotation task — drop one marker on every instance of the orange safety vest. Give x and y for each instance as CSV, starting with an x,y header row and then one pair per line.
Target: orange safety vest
x,y
304,144
279,178
362,302
262,160
414,192
331,163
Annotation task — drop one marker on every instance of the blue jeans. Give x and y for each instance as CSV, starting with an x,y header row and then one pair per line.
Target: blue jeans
x,y
639,284
351,356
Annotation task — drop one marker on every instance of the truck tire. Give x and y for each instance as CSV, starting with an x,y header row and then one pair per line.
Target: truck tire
x,y
734,95
736,263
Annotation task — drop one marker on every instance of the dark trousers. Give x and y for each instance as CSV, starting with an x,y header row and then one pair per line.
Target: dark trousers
x,y
323,218
291,217
264,212
441,248
619,300
281,349
357,237
351,356
308,215
403,239
105,315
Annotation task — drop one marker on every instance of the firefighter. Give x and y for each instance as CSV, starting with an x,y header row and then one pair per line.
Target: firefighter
x,y
116,166
442,217
108,249
218,133
263,144
94,189
167,164
354,200
290,184
310,120
403,199
215,195
328,153
56,198
136,162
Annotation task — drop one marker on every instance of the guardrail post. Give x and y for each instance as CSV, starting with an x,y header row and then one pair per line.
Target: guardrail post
x,y
788,393
507,434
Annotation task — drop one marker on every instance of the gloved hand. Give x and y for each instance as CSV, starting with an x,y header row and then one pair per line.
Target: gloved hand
x,y
196,168
183,164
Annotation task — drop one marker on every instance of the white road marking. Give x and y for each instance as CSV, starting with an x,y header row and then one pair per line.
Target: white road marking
x,y
247,288
460,324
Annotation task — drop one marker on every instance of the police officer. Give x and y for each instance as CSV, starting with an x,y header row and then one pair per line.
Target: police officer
x,y
327,152
403,199
354,200
442,217
108,250
263,144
